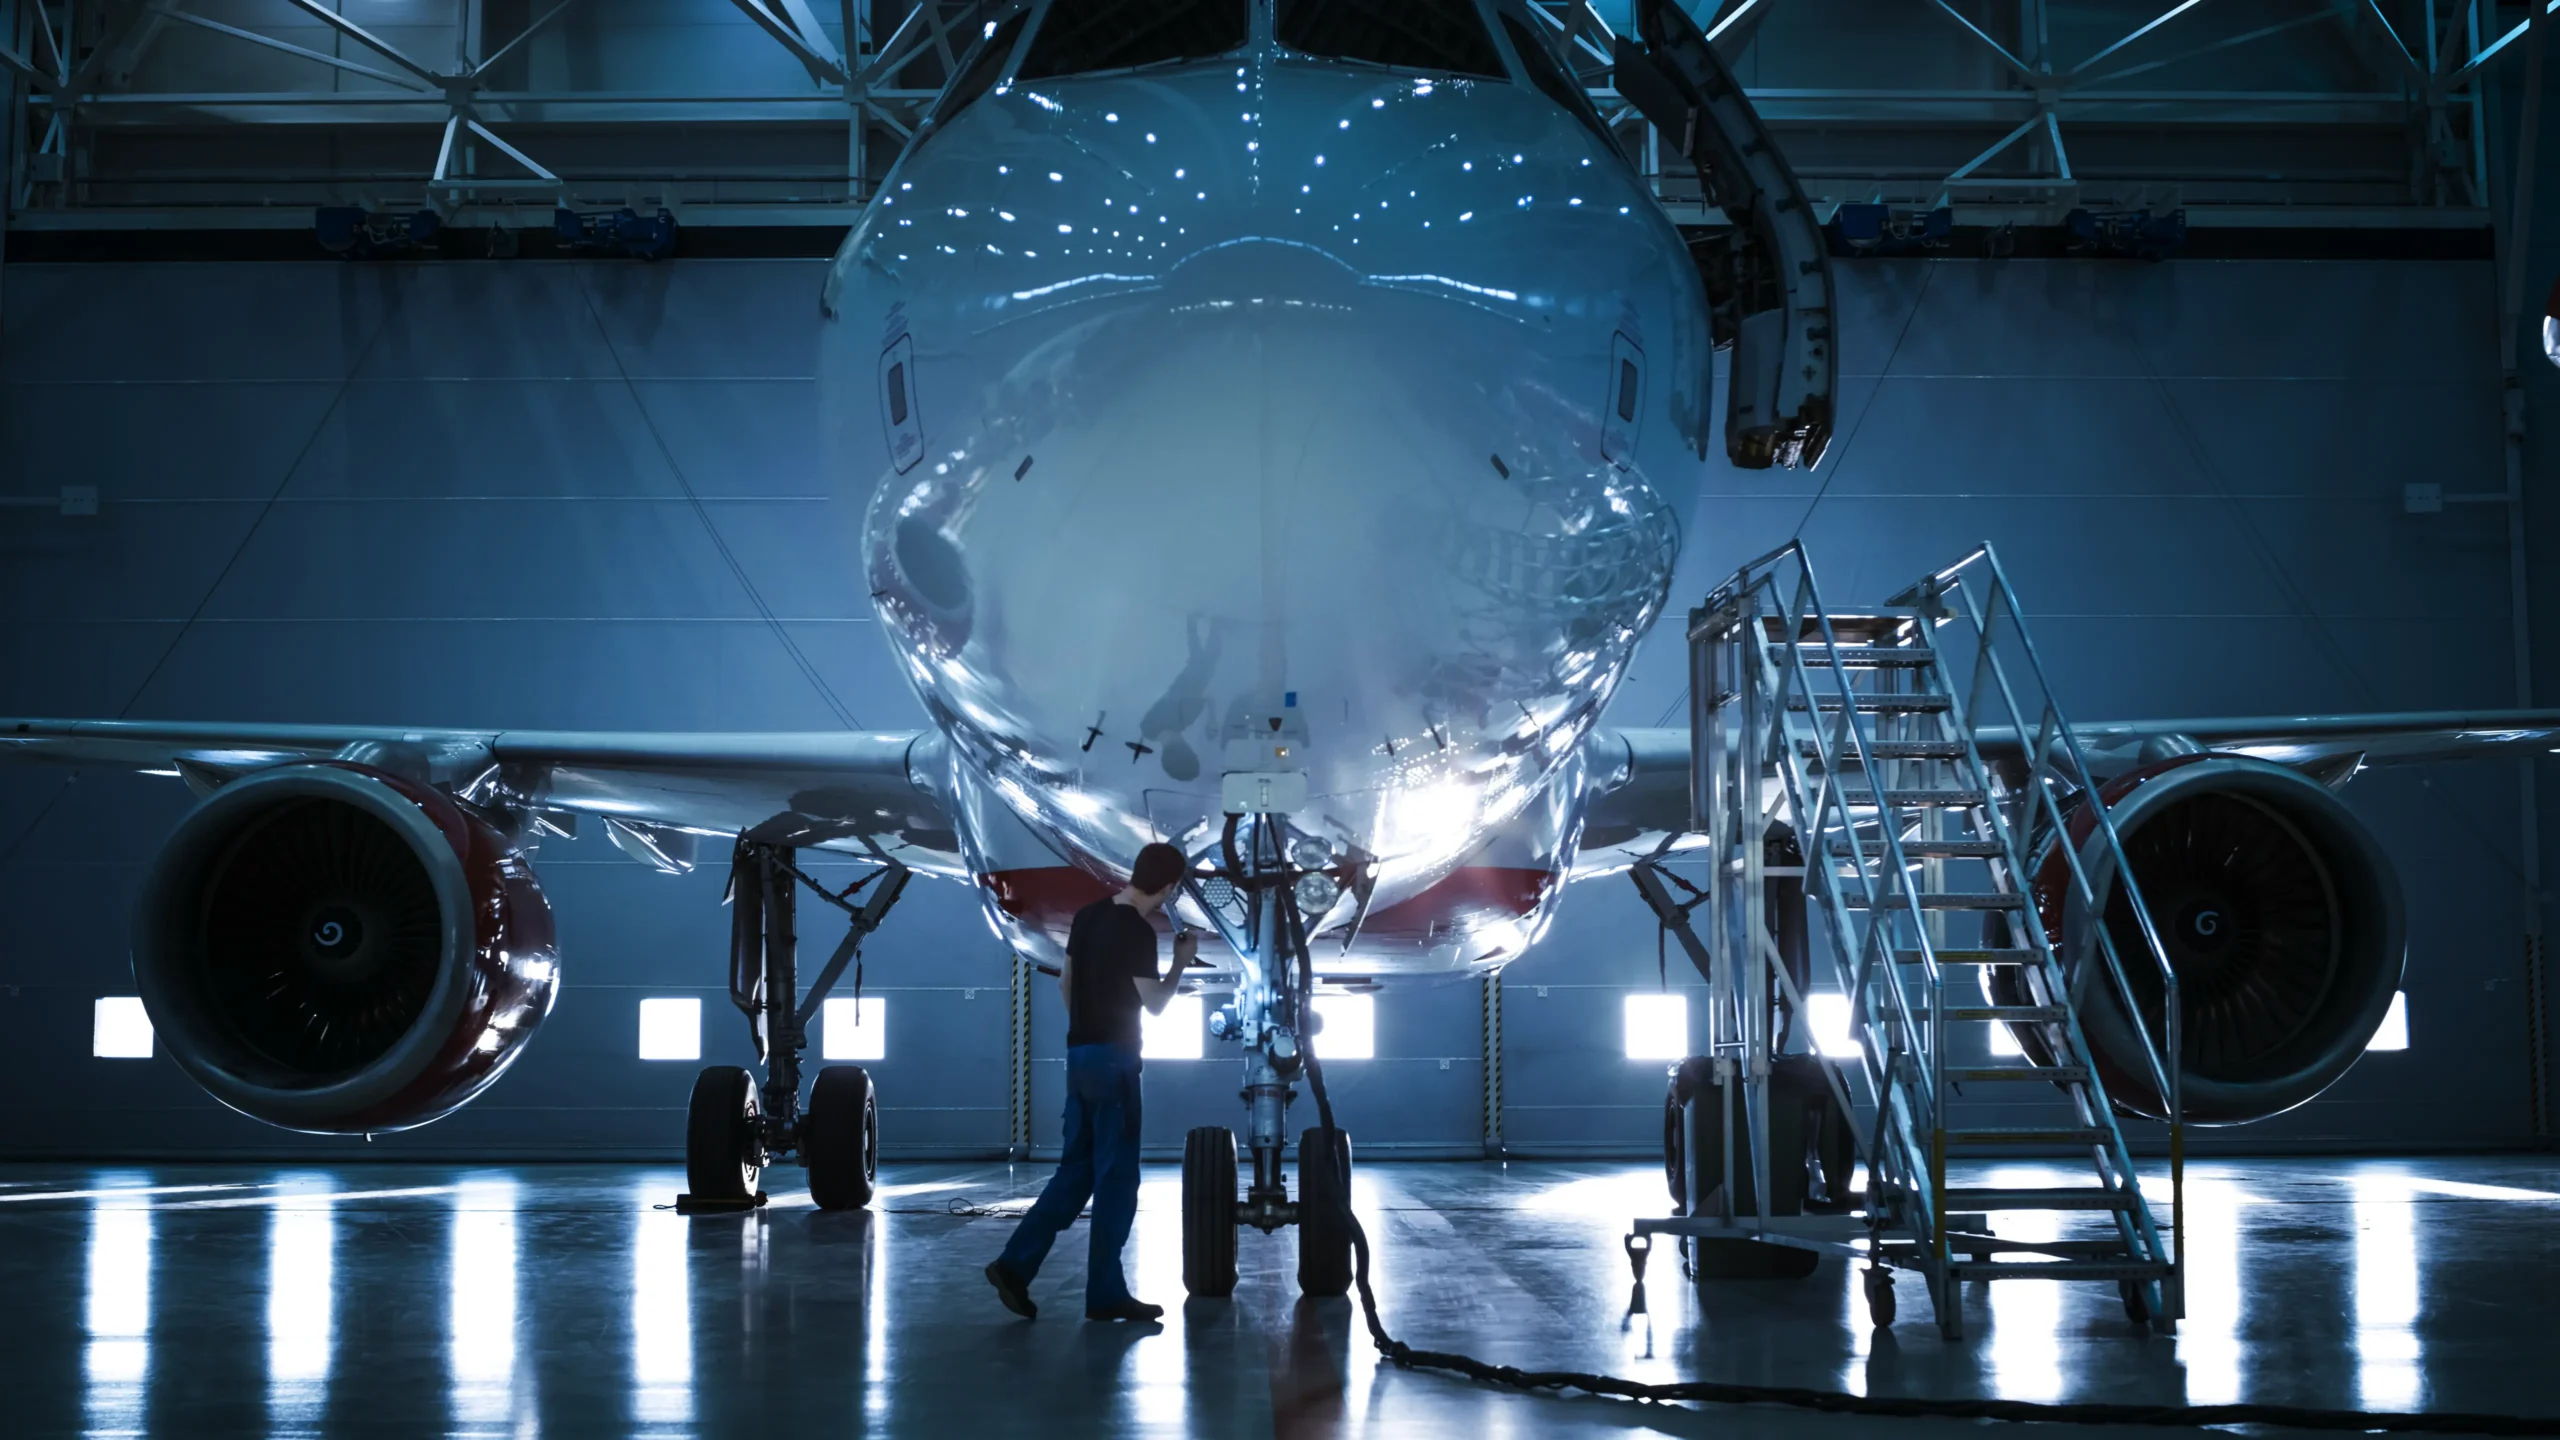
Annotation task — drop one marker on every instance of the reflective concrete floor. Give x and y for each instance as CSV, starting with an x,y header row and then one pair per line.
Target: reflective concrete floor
x,y
408,1300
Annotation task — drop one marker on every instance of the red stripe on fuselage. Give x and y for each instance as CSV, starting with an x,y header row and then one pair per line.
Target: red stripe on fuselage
x,y
1048,897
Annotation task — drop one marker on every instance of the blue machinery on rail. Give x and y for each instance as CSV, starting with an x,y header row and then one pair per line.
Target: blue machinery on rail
x,y
1854,743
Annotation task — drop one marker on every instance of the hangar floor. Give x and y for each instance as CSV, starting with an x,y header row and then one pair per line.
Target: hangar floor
x,y
563,1300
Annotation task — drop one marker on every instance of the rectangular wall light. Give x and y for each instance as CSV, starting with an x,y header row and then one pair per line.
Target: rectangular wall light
x,y
851,1029
2394,1033
671,1029
1828,1017
121,1029
1657,1027
1175,1034
1350,1027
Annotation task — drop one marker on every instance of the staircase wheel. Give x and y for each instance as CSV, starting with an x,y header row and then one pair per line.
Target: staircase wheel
x,y
1324,1212
2137,1301
841,1138
1879,1282
1209,1212
723,1153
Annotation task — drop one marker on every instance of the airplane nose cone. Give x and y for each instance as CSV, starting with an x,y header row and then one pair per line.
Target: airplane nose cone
x,y
1272,516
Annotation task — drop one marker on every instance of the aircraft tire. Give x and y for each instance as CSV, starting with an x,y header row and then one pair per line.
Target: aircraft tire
x,y
1324,1212
722,1159
1209,1212
842,1138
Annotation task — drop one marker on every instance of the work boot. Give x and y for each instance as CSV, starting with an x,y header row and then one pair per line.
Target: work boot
x,y
1009,1290
1138,1310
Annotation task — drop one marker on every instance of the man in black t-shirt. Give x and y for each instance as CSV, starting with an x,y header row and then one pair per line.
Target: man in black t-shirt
x,y
1110,973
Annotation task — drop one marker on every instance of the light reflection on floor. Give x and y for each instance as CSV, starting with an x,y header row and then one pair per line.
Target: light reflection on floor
x,y
566,1300
661,1316
302,1240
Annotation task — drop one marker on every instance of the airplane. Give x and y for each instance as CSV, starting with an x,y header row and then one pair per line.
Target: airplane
x,y
1277,418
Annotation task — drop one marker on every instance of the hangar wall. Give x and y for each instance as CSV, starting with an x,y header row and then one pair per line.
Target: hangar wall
x,y
525,495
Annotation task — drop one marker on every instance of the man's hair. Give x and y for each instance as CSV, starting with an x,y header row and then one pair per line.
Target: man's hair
x,y
1159,866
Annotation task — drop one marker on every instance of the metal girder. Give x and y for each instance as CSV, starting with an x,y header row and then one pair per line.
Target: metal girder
x,y
2316,133
369,40
269,42
2024,71
810,47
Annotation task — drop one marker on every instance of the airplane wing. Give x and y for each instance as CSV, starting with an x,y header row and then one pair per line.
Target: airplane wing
x,y
1640,777
869,793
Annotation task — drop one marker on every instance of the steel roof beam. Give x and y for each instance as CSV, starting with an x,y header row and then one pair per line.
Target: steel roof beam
x,y
269,42
370,41
823,64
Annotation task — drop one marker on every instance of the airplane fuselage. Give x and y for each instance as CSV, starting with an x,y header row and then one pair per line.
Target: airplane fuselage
x,y
1270,416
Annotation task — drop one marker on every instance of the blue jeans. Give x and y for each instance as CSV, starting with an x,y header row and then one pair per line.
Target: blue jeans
x,y
1100,1160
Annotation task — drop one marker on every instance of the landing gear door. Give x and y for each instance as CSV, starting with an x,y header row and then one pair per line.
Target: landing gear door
x,y
899,420
1622,413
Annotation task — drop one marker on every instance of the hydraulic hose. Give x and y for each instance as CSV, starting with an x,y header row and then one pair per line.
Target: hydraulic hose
x,y
1841,1402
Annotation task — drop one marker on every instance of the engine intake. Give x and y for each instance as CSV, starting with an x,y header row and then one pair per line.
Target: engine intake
x,y
332,948
2278,911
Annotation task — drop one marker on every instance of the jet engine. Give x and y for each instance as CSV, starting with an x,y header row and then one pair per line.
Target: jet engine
x,y
2278,911
332,948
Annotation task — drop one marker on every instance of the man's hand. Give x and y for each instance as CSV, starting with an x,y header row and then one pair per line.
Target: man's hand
x,y
1156,992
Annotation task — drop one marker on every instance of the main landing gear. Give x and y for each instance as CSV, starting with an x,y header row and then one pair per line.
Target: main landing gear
x,y
734,1128
1255,902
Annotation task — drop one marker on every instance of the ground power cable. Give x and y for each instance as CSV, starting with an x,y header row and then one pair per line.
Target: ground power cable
x,y
1842,1402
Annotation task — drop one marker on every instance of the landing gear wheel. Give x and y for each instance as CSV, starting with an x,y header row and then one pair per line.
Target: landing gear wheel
x,y
2137,1301
1209,1212
840,1138
723,1153
1879,1282
1324,1212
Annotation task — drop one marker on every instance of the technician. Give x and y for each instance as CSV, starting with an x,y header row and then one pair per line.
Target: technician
x,y
1110,972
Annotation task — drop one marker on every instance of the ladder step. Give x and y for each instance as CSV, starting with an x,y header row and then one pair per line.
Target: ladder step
x,y
1947,900
1999,1136
2058,1074
1937,849
1875,702
2020,1014
2058,1270
2080,1197
1900,749
1859,797
1971,957
1871,656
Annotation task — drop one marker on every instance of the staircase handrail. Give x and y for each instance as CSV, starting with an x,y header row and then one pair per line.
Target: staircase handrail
x,y
2051,734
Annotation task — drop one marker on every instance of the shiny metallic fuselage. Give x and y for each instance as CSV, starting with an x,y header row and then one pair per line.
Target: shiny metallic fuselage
x,y
1270,415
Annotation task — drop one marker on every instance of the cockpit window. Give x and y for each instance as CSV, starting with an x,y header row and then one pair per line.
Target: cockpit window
x,y
978,73
1080,36
1444,35
1549,75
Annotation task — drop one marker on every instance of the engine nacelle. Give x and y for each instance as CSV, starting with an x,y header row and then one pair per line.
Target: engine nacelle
x,y
2279,912
331,948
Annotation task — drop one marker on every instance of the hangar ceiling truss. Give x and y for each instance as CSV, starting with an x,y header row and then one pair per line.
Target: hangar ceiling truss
x,y
208,113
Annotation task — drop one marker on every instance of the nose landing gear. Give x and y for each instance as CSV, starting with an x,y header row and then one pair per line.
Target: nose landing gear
x,y
733,1129
1269,1017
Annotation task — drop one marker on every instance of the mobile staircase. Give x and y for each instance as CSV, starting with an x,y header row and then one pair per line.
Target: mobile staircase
x,y
1848,740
